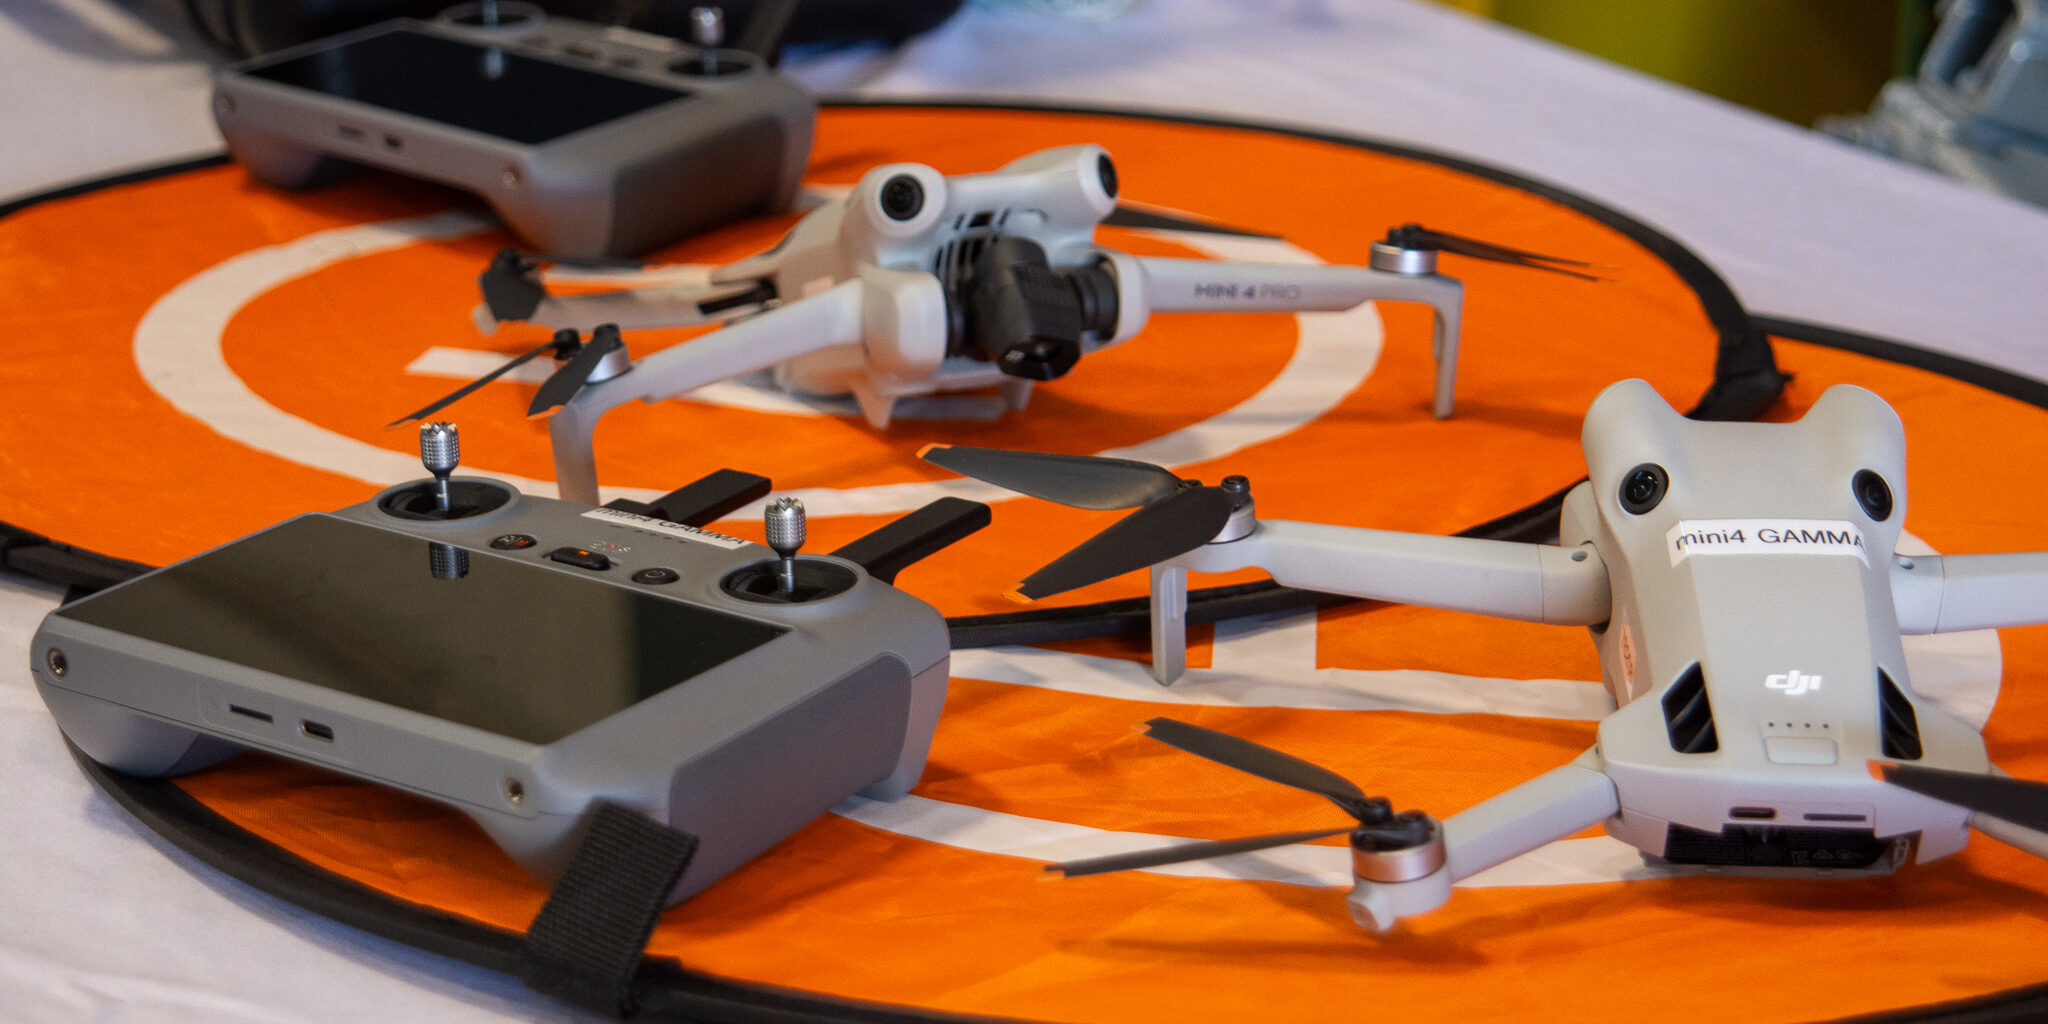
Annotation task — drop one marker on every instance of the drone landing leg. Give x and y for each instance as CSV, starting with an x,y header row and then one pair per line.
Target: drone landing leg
x,y
1546,808
1446,299
1169,623
569,432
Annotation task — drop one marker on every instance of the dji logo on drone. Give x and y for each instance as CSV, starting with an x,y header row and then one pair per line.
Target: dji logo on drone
x,y
1793,683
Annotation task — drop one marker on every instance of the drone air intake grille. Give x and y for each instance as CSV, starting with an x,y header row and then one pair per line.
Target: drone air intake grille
x,y
1687,715
1896,721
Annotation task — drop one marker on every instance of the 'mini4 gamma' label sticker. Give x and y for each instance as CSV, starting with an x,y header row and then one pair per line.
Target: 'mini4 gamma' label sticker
x,y
1699,537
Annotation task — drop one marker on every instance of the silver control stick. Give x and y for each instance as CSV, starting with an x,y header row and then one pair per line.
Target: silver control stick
x,y
440,452
707,30
786,534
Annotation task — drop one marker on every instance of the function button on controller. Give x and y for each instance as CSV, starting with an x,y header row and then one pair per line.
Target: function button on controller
x,y
581,558
657,575
513,542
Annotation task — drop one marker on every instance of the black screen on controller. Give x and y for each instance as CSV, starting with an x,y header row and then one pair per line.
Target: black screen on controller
x,y
512,647
483,89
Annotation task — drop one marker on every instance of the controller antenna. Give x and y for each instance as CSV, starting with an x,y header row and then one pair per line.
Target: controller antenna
x,y
440,452
786,534
707,30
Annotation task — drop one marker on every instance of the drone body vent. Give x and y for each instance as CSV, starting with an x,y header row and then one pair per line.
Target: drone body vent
x,y
1896,721
1688,718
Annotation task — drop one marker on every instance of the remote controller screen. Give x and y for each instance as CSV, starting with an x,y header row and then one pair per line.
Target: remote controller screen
x,y
510,647
480,88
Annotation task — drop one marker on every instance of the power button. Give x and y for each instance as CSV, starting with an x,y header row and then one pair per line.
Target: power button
x,y
581,558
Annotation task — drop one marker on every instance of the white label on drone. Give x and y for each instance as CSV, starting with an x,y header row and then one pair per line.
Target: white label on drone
x,y
1693,537
663,526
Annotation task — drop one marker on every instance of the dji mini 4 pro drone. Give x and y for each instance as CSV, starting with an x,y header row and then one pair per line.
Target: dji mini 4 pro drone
x,y
916,283
1743,586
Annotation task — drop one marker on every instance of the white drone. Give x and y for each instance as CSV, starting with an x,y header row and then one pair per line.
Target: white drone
x,y
916,284
1742,584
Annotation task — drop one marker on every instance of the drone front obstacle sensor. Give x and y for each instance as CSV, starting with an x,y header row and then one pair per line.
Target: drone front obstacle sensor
x,y
1743,585
917,283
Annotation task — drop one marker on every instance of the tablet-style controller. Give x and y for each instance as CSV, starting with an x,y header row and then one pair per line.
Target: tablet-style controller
x,y
524,660
587,140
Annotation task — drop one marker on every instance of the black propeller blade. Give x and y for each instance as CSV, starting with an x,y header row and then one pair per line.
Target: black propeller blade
x,y
2008,799
1269,764
1153,534
1083,481
1174,516
1377,826
563,346
1186,852
1415,236
511,284
558,389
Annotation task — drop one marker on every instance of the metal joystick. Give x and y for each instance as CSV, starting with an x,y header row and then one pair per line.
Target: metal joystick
x,y
786,534
440,452
707,30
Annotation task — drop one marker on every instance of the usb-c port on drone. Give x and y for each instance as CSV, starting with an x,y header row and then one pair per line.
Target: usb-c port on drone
x,y
318,730
1753,813
261,716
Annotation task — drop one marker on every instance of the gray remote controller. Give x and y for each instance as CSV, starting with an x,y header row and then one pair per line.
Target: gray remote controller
x,y
520,659
587,140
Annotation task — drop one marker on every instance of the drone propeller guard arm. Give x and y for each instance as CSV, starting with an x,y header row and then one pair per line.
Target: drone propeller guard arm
x,y
1547,808
1507,579
1174,285
829,318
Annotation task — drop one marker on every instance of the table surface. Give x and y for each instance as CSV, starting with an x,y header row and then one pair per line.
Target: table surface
x,y
1799,224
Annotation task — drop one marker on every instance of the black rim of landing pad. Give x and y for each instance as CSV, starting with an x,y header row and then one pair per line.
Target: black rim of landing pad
x,y
1746,381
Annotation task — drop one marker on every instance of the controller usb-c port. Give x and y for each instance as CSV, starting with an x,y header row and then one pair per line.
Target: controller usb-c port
x,y
261,716
1753,813
317,730
393,142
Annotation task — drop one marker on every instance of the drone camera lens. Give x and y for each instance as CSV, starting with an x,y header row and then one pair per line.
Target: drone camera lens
x,y
1644,487
902,197
1873,494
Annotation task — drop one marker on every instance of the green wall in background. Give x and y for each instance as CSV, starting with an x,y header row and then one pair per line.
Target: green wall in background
x,y
1795,59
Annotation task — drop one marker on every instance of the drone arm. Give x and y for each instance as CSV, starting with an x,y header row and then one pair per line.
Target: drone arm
x,y
1544,809
1178,285
2018,837
831,317
1531,582
1210,286
1950,593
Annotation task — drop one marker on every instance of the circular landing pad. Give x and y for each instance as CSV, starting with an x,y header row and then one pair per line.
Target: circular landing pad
x,y
230,358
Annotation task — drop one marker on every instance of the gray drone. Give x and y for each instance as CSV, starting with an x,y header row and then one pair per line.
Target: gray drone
x,y
917,283
1742,584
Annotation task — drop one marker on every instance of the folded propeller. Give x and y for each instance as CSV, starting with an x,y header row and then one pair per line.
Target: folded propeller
x,y
1376,826
1415,236
580,361
511,284
1174,516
